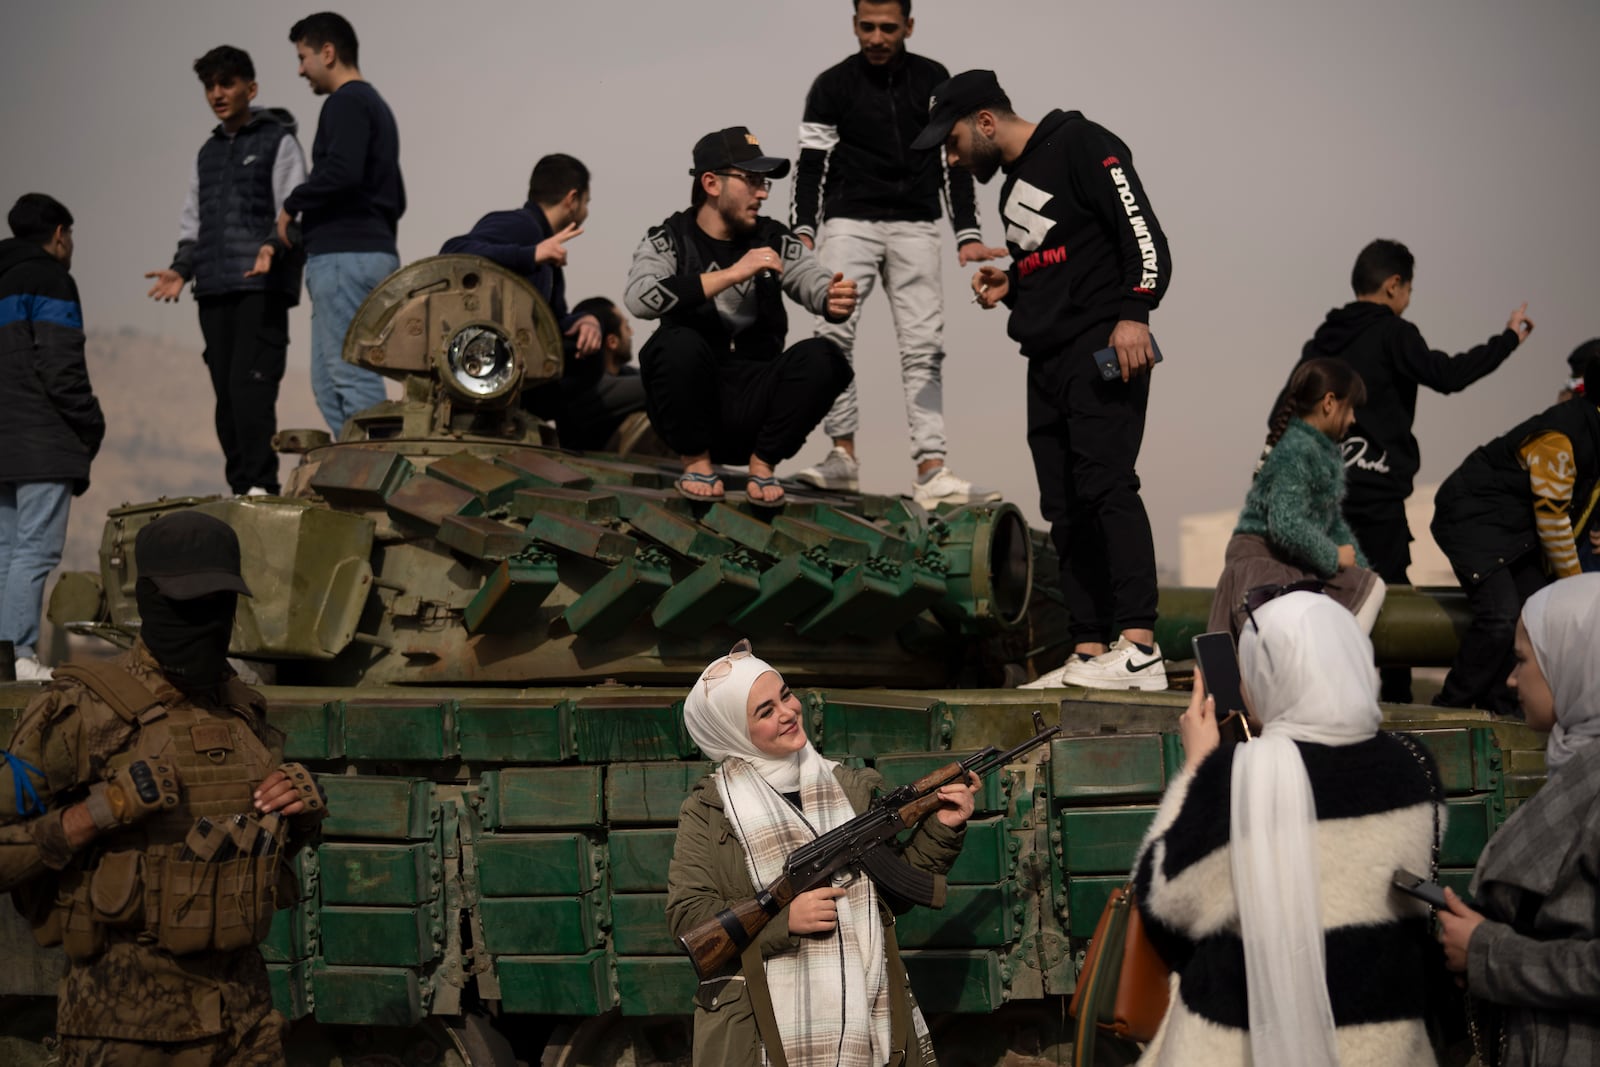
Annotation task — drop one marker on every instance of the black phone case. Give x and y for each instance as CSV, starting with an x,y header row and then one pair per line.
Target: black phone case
x,y
1106,359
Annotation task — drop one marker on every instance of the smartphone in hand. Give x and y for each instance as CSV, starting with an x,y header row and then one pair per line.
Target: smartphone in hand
x,y
1415,885
1219,664
1111,367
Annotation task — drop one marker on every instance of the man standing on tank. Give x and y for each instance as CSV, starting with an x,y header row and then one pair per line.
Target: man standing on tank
x,y
117,782
348,209
871,207
1089,263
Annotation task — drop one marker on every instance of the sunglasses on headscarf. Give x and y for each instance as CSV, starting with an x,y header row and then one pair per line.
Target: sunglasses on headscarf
x,y
1254,598
719,671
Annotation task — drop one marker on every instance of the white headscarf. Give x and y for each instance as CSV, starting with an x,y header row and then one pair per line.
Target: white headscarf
x,y
717,719
1563,624
1309,674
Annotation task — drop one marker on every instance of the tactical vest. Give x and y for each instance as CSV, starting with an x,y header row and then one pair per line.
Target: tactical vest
x,y
203,876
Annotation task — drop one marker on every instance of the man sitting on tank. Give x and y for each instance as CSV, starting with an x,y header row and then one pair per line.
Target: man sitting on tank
x,y
119,781
719,384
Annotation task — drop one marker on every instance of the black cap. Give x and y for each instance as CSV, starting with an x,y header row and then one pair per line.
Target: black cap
x,y
188,555
956,98
735,146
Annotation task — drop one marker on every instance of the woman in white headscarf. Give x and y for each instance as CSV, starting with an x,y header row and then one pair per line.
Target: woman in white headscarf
x,y
1533,947
1265,878
828,962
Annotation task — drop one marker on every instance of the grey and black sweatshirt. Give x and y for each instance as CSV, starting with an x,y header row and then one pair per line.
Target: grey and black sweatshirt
x,y
747,320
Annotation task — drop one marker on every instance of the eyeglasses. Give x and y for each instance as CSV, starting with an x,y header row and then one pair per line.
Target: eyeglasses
x,y
757,185
1264,594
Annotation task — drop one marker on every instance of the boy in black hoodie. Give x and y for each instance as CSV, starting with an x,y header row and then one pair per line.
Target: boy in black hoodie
x,y
1380,454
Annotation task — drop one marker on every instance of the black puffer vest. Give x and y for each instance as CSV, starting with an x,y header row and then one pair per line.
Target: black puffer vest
x,y
236,210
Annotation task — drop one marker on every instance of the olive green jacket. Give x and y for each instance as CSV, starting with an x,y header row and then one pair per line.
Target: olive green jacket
x,y
708,875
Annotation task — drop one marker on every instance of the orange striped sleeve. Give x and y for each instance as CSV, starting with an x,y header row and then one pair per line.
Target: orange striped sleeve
x,y
1551,473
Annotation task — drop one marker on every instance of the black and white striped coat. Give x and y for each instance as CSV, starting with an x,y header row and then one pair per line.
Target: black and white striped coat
x,y
1373,815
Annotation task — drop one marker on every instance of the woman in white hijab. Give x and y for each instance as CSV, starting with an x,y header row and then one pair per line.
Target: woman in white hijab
x,y
1265,877
828,963
1532,947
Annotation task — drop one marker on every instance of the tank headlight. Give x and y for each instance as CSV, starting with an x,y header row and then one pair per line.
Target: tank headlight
x,y
481,362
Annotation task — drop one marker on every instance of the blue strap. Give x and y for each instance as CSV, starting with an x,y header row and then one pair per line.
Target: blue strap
x,y
28,800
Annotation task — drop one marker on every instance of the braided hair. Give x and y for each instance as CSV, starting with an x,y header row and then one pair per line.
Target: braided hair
x,y
1312,380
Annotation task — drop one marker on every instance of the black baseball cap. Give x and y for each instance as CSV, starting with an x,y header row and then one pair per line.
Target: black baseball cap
x,y
956,98
188,555
735,146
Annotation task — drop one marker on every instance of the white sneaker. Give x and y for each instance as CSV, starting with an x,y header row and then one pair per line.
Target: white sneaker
x,y
31,670
1124,667
840,471
945,488
256,490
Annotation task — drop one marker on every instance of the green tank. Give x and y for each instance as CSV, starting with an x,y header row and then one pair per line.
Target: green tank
x,y
482,642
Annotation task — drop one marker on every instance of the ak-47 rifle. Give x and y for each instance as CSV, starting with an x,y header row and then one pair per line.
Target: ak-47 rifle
x,y
862,842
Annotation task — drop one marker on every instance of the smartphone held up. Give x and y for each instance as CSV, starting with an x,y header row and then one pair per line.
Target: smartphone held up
x,y
1217,663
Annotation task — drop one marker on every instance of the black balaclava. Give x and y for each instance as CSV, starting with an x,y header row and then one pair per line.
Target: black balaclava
x,y
189,638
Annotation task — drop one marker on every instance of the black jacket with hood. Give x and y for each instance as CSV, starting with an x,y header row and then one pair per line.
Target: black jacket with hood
x,y
1380,454
52,426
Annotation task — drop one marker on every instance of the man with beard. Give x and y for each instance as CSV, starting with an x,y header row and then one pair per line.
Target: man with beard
x,y
872,205
1089,264
719,384
125,774
607,388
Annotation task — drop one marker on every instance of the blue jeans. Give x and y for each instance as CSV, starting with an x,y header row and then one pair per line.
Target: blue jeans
x,y
338,282
33,529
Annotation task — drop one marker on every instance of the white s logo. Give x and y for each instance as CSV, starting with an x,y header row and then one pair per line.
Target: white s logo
x,y
1026,224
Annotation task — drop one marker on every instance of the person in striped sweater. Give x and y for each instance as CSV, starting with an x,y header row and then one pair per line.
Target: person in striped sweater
x,y
1264,880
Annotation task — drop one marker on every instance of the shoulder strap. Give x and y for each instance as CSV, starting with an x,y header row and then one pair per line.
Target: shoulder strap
x,y
755,983
126,695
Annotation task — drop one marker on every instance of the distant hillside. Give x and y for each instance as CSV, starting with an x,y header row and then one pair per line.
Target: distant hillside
x,y
160,438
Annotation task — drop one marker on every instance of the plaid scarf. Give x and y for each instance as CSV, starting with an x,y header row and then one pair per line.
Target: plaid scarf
x,y
831,998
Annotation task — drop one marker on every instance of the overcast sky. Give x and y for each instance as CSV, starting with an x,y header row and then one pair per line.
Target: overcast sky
x,y
1274,140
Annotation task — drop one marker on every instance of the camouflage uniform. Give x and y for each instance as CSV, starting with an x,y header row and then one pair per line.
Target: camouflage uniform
x,y
127,997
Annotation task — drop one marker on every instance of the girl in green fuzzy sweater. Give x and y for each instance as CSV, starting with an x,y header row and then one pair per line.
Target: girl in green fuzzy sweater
x,y
1292,527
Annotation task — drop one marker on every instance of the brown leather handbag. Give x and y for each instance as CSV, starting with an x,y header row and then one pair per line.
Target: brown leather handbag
x,y
1122,989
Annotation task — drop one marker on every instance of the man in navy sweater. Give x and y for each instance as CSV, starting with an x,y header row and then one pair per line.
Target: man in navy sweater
x,y
348,209
1088,264
532,241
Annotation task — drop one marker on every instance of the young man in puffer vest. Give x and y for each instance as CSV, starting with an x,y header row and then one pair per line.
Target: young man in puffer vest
x,y
245,277
148,822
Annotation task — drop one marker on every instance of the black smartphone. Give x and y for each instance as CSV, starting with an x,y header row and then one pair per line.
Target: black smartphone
x,y
1106,359
1417,886
1214,654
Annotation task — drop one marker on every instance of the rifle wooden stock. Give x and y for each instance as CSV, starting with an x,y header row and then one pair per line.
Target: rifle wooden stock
x,y
720,939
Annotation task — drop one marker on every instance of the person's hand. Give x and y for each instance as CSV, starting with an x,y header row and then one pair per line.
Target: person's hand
x,y
1519,323
1347,556
811,246
1198,725
553,249
284,218
1132,342
958,800
278,793
757,260
989,286
841,297
263,263
588,333
978,252
168,286
815,911
1456,925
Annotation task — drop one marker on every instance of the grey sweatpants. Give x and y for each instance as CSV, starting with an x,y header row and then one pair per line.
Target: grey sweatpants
x,y
906,256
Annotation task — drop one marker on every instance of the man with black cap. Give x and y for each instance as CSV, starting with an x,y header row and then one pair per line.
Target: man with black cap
x,y
1088,264
719,384
124,775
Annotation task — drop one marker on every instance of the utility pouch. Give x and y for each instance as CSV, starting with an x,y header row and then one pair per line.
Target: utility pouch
x,y
83,937
244,909
116,888
35,901
188,906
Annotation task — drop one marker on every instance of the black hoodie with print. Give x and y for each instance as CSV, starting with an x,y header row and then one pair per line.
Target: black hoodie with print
x,y
1381,455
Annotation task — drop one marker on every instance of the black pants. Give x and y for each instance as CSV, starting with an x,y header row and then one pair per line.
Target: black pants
x,y
1384,535
594,411
247,337
1085,433
704,401
1478,676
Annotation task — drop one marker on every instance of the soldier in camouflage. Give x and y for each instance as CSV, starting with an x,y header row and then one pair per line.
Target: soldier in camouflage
x,y
145,817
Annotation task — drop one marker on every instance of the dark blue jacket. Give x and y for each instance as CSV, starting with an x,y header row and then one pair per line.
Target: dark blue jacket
x,y
355,196
52,426
238,212
509,239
